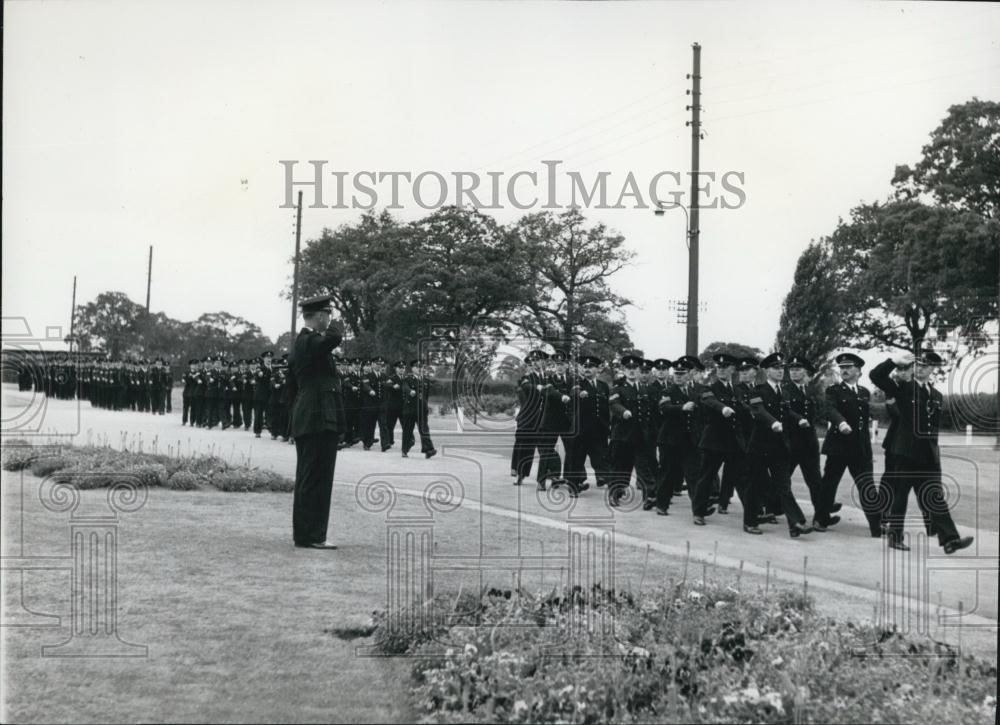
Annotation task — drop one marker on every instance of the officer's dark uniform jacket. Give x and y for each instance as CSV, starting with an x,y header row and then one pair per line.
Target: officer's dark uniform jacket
x,y
768,408
720,433
679,427
262,384
593,413
800,407
637,401
916,437
530,401
317,406
843,406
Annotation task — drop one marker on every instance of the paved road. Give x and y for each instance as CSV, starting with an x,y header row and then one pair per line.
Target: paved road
x,y
478,465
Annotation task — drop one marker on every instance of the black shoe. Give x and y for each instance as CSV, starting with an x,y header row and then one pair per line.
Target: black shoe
x,y
724,510
817,526
541,486
799,529
699,520
832,521
835,508
709,511
660,511
767,519
752,530
519,480
513,473
648,504
405,454
950,547
895,544
431,453
582,487
601,484
368,448
557,482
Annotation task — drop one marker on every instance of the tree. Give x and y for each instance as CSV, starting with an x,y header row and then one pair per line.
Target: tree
x,y
960,167
736,349
110,322
568,269
809,313
222,333
903,270
360,265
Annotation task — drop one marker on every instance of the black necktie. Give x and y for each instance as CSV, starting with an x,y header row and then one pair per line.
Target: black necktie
x,y
777,388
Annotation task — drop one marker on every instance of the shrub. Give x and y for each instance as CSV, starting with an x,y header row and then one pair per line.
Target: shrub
x,y
17,455
250,479
45,466
182,481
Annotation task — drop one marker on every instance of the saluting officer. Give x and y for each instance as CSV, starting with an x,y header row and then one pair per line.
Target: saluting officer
x,y
848,444
316,420
769,443
915,446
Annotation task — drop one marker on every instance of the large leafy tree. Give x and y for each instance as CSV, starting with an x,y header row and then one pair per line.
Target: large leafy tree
x,y
568,267
109,323
960,167
360,265
921,266
809,318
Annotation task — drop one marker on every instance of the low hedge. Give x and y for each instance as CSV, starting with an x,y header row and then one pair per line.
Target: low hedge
x,y
96,467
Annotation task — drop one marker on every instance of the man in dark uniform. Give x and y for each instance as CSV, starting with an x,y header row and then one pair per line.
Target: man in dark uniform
x,y
746,483
187,411
632,421
416,409
903,375
274,422
592,426
261,391
349,396
552,424
678,436
157,392
372,395
392,403
802,435
529,415
848,444
213,393
248,384
562,413
915,447
769,443
316,421
720,444
285,400
198,407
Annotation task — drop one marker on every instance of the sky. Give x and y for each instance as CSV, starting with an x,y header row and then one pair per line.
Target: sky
x,y
130,124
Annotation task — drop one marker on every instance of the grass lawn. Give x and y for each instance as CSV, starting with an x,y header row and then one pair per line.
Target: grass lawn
x,y
238,622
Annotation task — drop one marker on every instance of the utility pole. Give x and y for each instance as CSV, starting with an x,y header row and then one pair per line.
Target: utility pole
x,y
72,316
149,277
695,124
295,269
